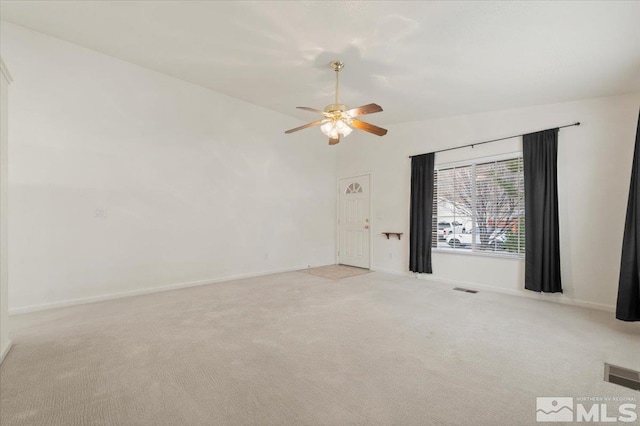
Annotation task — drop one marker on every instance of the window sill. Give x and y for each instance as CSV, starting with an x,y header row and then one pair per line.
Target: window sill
x,y
477,254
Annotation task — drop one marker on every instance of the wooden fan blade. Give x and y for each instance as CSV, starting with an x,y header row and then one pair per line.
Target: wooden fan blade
x,y
315,123
334,141
313,110
368,127
364,109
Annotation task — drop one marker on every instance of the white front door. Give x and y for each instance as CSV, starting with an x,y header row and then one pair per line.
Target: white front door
x,y
353,221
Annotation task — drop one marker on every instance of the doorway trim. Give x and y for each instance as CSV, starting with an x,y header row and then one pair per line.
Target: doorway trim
x,y
371,216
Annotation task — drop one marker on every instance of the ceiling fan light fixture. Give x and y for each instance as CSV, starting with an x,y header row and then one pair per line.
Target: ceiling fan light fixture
x,y
335,128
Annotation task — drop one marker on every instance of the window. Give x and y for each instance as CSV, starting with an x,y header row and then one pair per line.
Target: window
x,y
479,207
354,188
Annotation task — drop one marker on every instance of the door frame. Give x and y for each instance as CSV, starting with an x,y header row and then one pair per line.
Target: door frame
x,y
339,178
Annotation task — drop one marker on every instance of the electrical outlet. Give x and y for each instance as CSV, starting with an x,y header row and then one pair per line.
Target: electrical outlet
x,y
390,256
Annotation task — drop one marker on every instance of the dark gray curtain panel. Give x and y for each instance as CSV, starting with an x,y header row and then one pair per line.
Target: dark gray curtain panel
x,y
420,232
542,240
628,307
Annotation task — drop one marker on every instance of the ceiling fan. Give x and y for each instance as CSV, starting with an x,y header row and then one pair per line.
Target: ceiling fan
x,y
338,119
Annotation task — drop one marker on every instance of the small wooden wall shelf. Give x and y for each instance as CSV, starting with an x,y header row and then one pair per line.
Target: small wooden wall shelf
x,y
398,234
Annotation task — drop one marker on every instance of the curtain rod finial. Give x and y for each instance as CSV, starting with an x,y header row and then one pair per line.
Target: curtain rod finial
x,y
577,123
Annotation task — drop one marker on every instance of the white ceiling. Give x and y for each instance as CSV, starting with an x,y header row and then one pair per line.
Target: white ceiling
x,y
418,60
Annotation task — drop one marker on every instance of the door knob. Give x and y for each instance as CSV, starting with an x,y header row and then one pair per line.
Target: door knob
x,y
366,227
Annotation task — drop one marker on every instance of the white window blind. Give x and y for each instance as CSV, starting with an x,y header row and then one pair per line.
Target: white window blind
x,y
479,207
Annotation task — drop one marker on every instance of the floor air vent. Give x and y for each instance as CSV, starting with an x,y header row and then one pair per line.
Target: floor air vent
x,y
622,376
466,290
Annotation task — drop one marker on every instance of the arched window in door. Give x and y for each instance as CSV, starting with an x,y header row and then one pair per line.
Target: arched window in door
x,y
353,188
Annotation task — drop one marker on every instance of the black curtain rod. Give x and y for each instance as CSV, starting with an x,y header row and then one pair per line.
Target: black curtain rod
x,y
577,123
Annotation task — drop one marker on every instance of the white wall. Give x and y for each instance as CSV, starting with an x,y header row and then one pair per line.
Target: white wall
x,y
5,342
594,169
198,186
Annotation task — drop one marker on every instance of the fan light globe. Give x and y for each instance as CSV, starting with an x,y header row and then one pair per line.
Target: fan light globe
x,y
336,128
343,129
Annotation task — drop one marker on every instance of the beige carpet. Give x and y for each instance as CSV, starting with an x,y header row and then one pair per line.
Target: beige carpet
x,y
297,349
336,272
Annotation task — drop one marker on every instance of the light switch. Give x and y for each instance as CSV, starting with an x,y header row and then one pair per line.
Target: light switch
x,y
102,213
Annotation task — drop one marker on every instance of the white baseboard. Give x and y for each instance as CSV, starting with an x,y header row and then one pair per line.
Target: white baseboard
x,y
555,297
5,351
111,296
